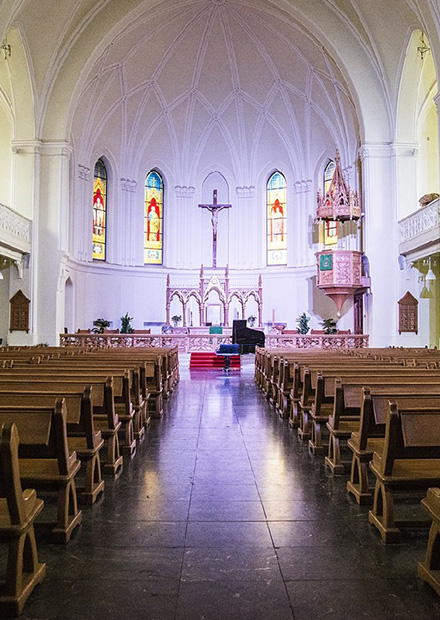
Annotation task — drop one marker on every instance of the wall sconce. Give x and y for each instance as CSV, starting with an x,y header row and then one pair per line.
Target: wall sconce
x,y
423,47
430,276
6,48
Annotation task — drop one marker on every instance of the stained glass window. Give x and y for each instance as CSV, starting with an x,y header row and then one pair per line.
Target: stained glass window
x,y
329,171
99,211
153,219
331,228
276,192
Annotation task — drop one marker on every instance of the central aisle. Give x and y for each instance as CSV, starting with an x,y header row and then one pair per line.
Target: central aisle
x,y
224,515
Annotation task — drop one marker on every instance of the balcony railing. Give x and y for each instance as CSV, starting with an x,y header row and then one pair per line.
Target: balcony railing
x,y
420,228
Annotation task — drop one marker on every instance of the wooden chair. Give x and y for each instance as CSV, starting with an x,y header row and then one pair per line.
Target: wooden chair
x,y
18,510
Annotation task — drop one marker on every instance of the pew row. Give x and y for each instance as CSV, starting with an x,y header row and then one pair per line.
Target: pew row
x,y
81,434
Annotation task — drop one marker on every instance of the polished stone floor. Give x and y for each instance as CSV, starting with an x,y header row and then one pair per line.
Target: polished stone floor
x,y
224,515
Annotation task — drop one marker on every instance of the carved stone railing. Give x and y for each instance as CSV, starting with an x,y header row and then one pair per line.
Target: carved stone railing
x,y
15,230
318,341
420,228
187,343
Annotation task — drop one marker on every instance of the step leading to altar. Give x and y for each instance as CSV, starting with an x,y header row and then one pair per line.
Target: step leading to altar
x,y
204,360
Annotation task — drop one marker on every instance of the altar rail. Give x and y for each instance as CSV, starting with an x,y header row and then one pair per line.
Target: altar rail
x,y
187,343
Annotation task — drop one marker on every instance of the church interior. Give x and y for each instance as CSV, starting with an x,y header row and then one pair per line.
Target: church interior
x,y
170,170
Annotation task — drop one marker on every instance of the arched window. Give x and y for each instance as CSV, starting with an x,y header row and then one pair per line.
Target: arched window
x,y
99,211
329,171
276,193
153,219
331,228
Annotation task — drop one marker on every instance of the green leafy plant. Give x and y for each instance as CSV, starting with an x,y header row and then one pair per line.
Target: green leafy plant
x,y
126,327
176,319
251,320
100,325
329,326
303,323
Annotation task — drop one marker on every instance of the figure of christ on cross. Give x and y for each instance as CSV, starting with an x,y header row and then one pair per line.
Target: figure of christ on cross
x,y
214,208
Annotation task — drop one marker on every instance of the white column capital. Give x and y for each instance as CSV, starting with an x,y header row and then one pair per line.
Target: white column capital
x,y
184,191
404,149
26,147
56,148
128,185
245,191
302,187
83,172
377,150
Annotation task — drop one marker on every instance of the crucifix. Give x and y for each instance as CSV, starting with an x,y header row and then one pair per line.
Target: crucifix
x,y
214,208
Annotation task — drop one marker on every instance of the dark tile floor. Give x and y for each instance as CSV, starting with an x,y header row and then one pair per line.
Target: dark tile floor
x,y
223,514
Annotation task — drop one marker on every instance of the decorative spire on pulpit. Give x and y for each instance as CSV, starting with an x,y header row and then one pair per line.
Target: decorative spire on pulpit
x,y
339,270
339,202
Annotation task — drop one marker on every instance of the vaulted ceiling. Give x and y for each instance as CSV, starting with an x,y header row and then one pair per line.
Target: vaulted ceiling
x,y
256,79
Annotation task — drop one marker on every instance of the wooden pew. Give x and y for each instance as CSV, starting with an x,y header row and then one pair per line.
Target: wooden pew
x,y
347,406
46,462
429,570
320,391
105,418
81,434
18,510
117,402
410,461
370,436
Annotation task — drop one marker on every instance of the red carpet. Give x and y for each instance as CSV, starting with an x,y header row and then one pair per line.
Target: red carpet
x,y
211,360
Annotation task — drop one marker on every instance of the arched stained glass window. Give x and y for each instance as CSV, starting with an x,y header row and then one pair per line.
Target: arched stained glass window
x,y
331,228
276,192
99,211
153,219
329,171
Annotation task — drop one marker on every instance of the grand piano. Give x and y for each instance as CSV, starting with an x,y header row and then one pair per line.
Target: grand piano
x,y
246,337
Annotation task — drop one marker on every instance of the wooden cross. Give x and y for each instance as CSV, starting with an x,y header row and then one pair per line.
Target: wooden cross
x,y
214,208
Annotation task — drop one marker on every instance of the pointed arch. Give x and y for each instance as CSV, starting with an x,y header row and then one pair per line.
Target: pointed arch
x,y
153,219
330,227
276,218
100,211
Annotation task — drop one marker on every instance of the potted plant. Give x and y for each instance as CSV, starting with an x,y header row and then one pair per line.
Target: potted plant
x,y
126,327
251,320
303,323
176,319
329,326
100,325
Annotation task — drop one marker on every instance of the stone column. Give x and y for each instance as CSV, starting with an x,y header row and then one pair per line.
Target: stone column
x,y
82,223
128,224
437,103
244,248
381,242
405,160
179,248
300,214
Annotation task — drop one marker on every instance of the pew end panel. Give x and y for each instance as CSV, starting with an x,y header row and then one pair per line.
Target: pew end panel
x,y
410,462
429,570
18,510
